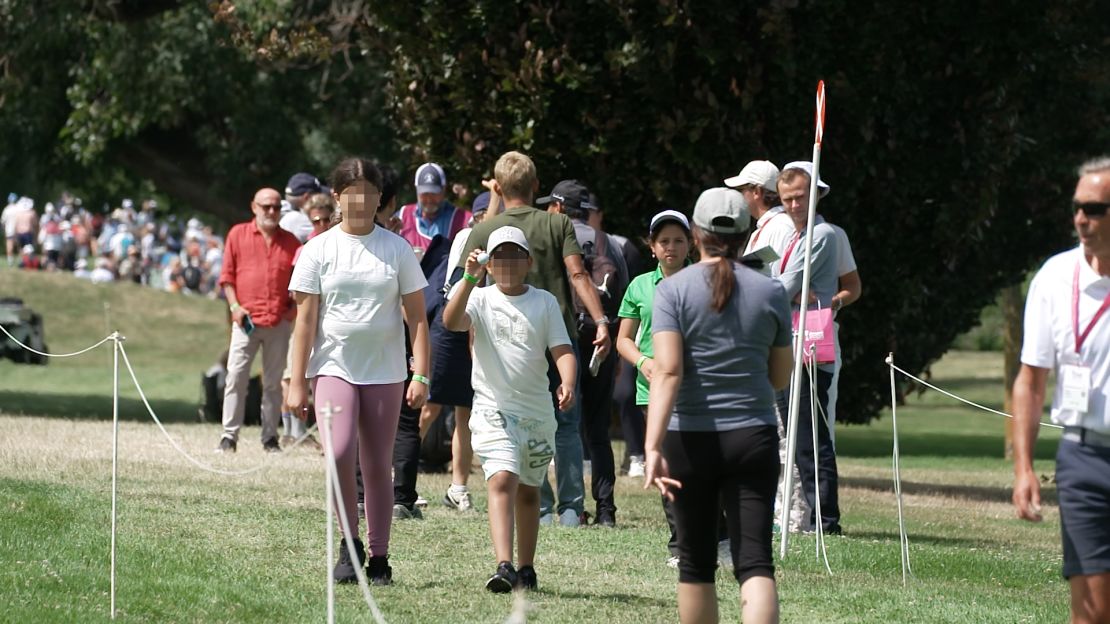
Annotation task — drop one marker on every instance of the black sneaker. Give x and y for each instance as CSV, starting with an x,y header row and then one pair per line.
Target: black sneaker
x,y
227,445
344,571
606,518
526,578
502,581
378,571
270,445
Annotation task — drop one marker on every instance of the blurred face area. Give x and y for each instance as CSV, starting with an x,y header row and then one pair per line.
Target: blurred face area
x,y
1092,194
266,207
321,219
671,246
795,199
359,204
509,264
429,203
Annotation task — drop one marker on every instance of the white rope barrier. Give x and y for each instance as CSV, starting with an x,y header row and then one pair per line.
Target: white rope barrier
x,y
329,456
820,551
903,539
890,362
56,355
182,451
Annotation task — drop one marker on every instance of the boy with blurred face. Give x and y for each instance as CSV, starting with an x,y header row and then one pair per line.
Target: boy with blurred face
x,y
512,420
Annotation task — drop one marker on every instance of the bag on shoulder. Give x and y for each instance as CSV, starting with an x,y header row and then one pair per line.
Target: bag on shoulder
x,y
605,276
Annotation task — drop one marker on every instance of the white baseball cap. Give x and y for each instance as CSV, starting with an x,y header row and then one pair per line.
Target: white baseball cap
x,y
671,216
507,234
758,172
722,211
806,166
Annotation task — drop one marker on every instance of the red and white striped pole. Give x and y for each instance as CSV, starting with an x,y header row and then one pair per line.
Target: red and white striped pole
x,y
797,378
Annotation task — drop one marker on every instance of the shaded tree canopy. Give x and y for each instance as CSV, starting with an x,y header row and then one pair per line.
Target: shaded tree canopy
x,y
952,136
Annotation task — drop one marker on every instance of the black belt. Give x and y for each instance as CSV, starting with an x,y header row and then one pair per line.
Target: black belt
x,y
1089,437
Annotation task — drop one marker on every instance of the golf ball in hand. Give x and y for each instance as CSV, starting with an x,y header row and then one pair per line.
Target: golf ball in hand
x,y
483,258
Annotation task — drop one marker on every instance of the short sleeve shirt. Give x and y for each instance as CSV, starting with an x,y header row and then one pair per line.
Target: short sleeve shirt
x,y
360,334
637,303
551,238
512,335
1049,339
725,383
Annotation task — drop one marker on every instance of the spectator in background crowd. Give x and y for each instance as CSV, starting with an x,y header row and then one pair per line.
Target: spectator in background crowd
x,y
387,214
297,191
432,214
605,264
758,183
793,187
258,262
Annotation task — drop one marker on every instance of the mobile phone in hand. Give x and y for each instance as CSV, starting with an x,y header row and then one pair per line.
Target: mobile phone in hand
x,y
595,362
248,324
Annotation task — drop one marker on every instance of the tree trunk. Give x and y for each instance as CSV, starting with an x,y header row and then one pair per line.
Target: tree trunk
x,y
1012,303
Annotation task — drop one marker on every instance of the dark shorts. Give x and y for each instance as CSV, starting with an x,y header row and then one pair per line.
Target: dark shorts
x,y
1083,487
450,367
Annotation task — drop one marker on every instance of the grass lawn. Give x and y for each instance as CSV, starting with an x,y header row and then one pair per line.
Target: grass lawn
x,y
198,547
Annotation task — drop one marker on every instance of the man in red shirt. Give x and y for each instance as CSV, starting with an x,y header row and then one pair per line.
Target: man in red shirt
x,y
257,265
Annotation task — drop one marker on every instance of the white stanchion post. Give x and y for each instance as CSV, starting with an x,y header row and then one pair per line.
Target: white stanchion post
x,y
116,338
329,465
819,526
796,378
903,539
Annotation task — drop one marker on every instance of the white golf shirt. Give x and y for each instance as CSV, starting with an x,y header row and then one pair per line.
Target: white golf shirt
x,y
1050,334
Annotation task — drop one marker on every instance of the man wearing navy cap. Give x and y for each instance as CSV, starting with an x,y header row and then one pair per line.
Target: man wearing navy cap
x,y
432,215
294,219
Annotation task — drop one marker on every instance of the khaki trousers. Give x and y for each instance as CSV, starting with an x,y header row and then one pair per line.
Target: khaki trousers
x,y
274,342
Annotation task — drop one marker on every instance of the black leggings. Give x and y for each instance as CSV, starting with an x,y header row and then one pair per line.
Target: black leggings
x,y
738,470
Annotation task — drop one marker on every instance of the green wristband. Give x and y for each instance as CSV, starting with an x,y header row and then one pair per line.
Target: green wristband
x,y
470,278
422,379
235,306
640,362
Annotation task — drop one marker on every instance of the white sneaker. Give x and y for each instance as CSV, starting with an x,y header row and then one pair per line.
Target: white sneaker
x,y
636,466
569,518
420,501
457,500
672,562
547,519
724,554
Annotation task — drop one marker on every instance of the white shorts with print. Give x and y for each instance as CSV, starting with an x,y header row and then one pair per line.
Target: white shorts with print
x,y
522,446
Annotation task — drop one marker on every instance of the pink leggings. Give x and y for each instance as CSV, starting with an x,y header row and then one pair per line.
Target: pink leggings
x,y
366,420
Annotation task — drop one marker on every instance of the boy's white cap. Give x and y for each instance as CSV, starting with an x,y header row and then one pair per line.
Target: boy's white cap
x,y
507,234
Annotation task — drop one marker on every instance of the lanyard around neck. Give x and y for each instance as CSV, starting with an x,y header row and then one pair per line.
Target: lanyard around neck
x,y
1080,338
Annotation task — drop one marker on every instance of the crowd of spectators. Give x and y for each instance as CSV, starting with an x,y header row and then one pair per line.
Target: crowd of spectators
x,y
136,243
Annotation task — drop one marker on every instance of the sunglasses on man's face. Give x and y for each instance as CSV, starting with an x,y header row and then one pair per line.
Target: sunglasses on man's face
x,y
269,207
1092,209
319,220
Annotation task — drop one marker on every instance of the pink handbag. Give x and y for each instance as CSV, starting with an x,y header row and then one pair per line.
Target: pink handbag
x,y
819,332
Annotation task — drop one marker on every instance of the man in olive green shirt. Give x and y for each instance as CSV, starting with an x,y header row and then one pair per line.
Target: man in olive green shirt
x,y
557,267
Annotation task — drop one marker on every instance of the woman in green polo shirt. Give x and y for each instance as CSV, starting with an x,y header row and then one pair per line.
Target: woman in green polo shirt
x,y
669,236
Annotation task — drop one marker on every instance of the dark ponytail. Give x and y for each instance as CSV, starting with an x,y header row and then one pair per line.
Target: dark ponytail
x,y
722,280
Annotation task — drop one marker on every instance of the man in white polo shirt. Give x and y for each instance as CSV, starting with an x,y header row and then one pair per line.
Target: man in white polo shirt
x,y
1067,330
757,182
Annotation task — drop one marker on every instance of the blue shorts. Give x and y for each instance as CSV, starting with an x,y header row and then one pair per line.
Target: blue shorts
x,y
1083,487
451,367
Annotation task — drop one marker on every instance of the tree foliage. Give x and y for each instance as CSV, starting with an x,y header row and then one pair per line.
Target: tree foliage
x,y
952,136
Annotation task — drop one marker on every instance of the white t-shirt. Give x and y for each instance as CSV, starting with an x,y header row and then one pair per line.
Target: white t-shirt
x,y
1050,338
360,335
511,339
774,229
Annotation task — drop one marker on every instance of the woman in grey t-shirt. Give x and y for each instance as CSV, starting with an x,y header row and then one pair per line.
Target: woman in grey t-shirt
x,y
721,335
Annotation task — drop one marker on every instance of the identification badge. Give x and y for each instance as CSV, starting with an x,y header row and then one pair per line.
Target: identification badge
x,y
1076,381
